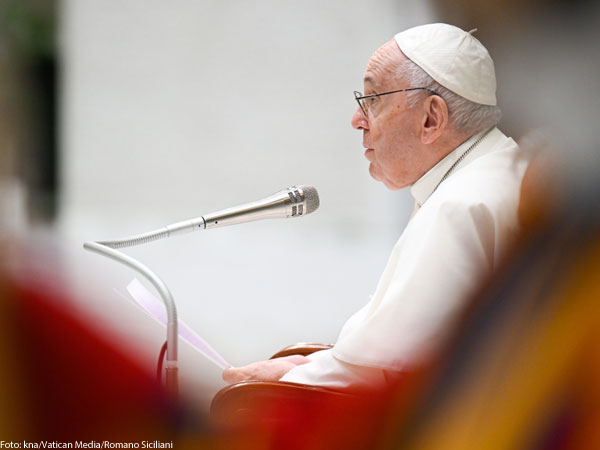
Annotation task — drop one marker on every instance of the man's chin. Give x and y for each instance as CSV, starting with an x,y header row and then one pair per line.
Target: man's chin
x,y
374,173
378,177
388,185
392,186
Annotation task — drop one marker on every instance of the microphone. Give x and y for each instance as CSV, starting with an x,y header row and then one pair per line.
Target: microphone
x,y
295,201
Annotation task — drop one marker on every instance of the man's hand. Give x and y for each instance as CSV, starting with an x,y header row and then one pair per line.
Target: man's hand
x,y
271,370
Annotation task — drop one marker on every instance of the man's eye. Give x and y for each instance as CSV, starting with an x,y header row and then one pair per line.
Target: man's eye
x,y
372,100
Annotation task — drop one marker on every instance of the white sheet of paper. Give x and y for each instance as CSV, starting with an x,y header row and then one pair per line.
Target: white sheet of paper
x,y
156,309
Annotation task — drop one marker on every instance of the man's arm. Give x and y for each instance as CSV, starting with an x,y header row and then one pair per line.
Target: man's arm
x,y
271,370
324,370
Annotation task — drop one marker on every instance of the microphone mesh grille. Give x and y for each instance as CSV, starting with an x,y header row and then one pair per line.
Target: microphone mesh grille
x,y
312,198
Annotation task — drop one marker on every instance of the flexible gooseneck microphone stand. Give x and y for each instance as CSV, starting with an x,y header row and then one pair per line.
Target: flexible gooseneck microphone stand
x,y
295,201
108,249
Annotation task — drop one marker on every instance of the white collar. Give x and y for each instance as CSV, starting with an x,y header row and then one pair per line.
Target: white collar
x,y
424,186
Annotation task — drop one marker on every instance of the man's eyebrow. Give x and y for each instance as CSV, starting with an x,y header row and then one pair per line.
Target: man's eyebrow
x,y
369,80
370,83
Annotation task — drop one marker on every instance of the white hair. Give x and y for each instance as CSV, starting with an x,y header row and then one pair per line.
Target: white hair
x,y
464,115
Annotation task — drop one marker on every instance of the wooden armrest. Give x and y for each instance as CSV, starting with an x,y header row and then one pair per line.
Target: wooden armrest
x,y
303,348
291,415
251,402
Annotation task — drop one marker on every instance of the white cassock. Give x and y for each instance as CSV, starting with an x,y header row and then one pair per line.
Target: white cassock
x,y
456,237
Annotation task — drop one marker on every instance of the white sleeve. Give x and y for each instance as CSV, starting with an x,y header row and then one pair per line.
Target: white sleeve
x,y
433,268
326,370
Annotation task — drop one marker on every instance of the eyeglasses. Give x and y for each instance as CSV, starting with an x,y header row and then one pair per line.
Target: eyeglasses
x,y
365,101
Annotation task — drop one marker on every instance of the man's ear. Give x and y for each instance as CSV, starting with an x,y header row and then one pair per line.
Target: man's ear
x,y
435,119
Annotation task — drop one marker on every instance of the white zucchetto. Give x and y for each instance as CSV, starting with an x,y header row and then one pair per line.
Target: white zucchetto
x,y
452,57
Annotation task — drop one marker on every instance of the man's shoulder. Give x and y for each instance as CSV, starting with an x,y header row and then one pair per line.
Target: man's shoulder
x,y
492,181
501,166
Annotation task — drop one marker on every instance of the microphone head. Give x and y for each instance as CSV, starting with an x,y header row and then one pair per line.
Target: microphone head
x,y
311,198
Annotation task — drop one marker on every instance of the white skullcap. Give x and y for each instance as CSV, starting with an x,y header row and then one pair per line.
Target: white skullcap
x,y
453,58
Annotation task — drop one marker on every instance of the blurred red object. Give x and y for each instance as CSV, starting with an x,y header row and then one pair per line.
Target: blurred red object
x,y
64,381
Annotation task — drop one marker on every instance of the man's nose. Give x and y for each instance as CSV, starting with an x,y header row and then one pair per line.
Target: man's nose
x,y
359,121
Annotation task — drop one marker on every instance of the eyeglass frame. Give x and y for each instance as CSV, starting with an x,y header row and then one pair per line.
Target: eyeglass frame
x,y
359,97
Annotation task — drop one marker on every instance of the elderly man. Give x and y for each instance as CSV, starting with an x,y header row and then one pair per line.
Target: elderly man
x,y
428,118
